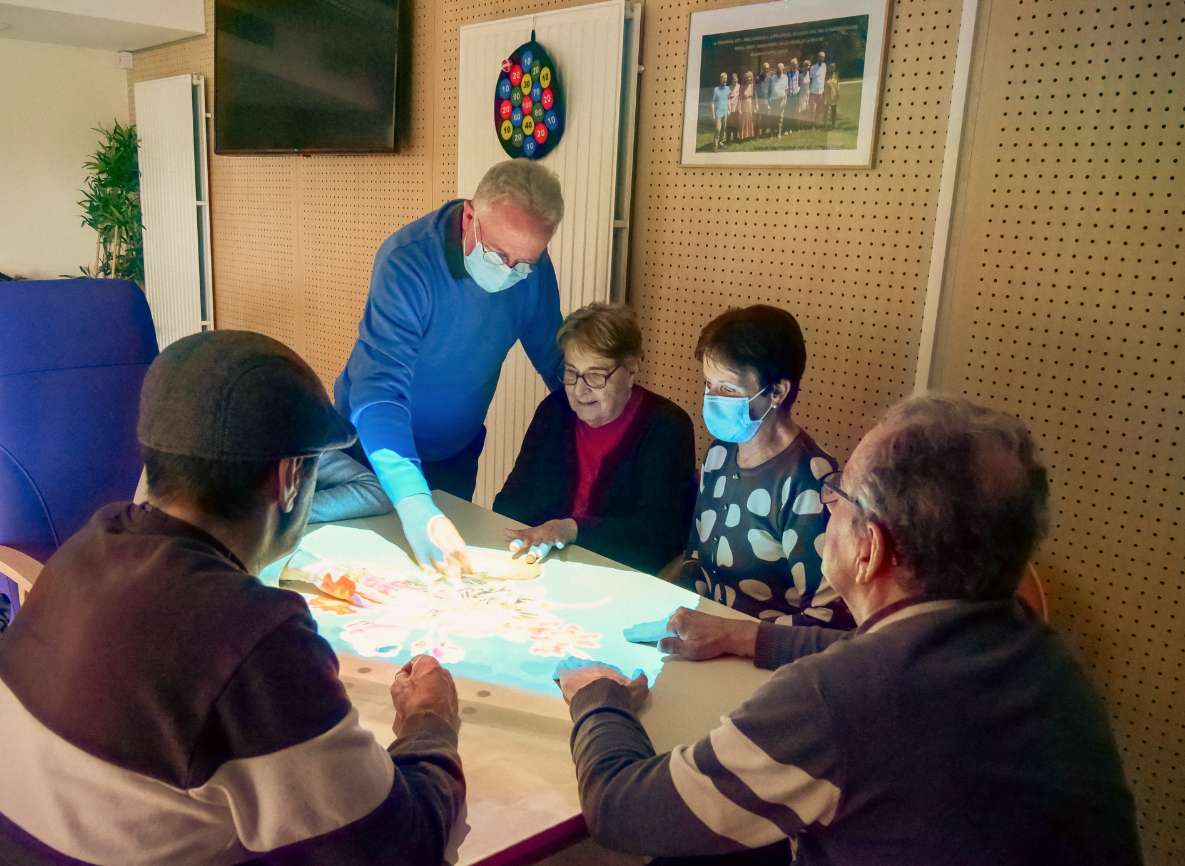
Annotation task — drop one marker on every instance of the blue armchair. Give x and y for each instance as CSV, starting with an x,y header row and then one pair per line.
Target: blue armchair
x,y
73,354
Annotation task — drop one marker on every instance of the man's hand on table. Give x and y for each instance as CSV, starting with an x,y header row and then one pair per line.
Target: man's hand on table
x,y
538,541
573,674
433,538
422,685
699,636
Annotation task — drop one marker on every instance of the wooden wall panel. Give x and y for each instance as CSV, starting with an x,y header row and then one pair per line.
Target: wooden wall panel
x,y
847,252
1064,306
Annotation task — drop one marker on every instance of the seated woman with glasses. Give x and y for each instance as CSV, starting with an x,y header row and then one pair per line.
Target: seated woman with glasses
x,y
757,543
605,463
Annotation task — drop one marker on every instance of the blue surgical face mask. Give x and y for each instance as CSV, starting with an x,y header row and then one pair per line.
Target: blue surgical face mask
x,y
728,417
493,276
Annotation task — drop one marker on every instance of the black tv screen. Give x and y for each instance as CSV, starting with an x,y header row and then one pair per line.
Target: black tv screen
x,y
305,76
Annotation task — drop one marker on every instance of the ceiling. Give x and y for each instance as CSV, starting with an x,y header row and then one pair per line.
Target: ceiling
x,y
104,28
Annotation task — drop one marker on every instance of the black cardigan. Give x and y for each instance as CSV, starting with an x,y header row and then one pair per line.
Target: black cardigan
x,y
642,498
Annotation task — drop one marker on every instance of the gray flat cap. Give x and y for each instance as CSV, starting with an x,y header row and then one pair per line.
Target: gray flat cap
x,y
237,395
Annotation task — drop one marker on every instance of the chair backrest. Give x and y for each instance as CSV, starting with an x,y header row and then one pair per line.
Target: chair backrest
x,y
73,354
21,570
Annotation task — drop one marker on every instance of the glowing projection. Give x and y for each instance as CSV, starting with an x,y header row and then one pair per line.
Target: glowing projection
x,y
508,624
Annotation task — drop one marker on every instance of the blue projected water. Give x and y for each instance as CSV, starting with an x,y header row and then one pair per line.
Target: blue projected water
x,y
370,601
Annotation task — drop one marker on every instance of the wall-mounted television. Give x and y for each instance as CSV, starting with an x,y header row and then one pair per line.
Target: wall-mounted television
x,y
308,76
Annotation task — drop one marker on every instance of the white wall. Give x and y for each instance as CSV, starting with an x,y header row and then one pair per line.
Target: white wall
x,y
51,98
178,14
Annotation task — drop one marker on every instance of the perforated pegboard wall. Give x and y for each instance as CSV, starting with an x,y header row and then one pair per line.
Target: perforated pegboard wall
x,y
1065,307
294,238
846,251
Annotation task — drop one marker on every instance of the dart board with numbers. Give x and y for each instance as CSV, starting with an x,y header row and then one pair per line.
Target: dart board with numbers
x,y
528,103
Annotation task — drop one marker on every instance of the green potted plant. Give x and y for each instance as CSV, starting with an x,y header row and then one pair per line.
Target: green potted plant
x,y
111,206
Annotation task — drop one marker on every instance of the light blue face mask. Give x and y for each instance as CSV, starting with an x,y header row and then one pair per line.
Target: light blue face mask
x,y
489,271
728,417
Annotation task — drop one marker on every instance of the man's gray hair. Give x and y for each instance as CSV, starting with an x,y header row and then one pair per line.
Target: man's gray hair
x,y
961,492
531,186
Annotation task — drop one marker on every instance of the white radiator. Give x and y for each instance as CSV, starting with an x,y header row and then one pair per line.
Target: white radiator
x,y
174,196
595,49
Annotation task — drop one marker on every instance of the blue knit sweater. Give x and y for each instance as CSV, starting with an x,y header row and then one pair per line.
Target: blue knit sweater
x,y
431,344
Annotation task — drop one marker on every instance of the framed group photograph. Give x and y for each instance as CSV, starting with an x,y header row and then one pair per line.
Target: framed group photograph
x,y
786,83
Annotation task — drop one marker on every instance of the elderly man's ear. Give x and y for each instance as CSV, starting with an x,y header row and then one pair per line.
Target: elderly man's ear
x,y
874,554
290,476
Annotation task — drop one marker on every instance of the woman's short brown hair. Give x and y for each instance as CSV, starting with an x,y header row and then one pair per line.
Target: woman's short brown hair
x,y
761,338
607,330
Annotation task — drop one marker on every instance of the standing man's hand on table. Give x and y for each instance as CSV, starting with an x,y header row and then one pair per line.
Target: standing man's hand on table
x,y
573,674
542,539
433,538
699,636
422,685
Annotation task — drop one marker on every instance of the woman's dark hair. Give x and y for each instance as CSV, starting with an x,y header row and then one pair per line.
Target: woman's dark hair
x,y
227,489
760,338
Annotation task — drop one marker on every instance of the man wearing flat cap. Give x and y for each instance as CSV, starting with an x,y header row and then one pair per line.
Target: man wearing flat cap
x,y
160,705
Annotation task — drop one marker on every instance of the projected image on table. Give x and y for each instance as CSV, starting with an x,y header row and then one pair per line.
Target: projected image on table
x,y
507,623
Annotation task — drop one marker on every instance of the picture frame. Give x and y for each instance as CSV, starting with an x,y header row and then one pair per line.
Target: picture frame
x,y
819,110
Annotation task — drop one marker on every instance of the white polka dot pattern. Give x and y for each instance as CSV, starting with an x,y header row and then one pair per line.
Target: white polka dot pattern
x,y
820,541
794,593
789,542
705,523
808,502
819,467
755,530
765,546
798,572
724,553
769,614
759,502
756,589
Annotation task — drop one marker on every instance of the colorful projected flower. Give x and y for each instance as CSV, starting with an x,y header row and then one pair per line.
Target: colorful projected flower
x,y
565,641
401,603
381,639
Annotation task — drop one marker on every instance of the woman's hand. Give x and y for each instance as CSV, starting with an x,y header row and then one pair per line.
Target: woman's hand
x,y
538,541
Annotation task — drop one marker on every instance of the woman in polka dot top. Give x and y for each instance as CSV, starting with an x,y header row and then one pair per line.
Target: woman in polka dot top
x,y
757,541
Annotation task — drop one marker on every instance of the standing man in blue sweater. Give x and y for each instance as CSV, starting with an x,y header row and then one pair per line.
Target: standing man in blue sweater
x,y
450,295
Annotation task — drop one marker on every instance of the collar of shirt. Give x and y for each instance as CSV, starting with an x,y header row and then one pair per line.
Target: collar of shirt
x,y
454,250
904,609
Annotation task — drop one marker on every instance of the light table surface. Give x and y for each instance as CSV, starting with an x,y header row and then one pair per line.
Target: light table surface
x,y
514,742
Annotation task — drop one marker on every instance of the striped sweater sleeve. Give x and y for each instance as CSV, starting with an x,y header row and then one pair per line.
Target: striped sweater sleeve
x,y
769,771
304,782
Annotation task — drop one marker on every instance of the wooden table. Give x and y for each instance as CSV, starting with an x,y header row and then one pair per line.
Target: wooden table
x,y
522,798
